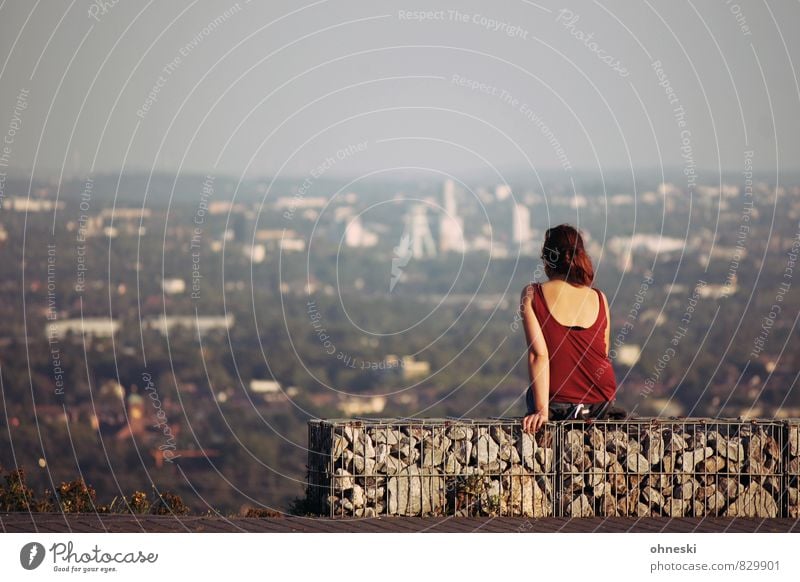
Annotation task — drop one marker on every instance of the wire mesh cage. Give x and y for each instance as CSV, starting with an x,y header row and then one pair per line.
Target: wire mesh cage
x,y
792,470
690,467
370,467
674,468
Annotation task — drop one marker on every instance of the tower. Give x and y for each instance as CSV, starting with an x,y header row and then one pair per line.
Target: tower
x,y
422,244
521,224
451,227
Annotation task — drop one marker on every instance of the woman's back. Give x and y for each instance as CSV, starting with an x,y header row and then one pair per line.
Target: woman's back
x,y
566,324
575,328
571,306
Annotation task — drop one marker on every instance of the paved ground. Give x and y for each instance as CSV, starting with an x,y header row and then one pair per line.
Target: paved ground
x,y
54,522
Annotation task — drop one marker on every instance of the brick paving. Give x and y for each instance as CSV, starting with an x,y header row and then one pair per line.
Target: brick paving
x,y
89,523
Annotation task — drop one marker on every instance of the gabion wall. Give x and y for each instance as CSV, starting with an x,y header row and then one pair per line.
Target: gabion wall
x,y
637,468
691,467
431,467
793,468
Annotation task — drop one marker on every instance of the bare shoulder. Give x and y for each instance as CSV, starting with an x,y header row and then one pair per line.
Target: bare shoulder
x,y
603,297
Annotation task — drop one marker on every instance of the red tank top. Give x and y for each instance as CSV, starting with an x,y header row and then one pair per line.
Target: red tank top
x,y
580,371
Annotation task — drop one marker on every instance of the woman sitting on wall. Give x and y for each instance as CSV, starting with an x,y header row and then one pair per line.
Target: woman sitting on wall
x,y
566,323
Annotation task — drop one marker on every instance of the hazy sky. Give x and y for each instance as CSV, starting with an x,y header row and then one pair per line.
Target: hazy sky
x,y
280,87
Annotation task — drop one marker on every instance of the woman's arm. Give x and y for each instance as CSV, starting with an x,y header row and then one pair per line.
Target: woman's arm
x,y
538,363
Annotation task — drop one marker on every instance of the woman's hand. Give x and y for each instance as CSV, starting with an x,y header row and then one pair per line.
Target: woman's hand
x,y
532,422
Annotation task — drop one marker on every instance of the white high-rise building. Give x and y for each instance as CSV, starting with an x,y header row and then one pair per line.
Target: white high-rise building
x,y
450,197
521,228
422,244
451,227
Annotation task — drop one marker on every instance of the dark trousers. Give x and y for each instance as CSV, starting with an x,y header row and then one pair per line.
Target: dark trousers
x,y
567,410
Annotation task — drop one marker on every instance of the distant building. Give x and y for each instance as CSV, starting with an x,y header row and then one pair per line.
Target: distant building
x,y
293,202
293,244
422,244
628,355
356,235
265,386
256,253
645,244
24,204
407,366
201,324
356,405
125,213
521,224
414,368
502,191
451,227
91,326
173,286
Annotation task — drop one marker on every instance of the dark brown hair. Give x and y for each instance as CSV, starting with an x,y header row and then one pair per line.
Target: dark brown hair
x,y
564,256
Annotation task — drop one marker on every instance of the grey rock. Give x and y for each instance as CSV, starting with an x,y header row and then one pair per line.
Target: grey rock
x,y
653,446
357,496
675,443
544,456
653,497
523,496
659,481
373,493
451,465
412,494
363,466
596,438
458,433
363,446
602,458
715,502
713,464
675,507
381,452
509,453
636,463
794,440
500,436
338,446
462,449
580,507
690,459
731,449
575,437
608,505
731,488
754,502
793,496
485,450
394,465
686,490
343,507
342,480
771,447
595,476
526,445
616,475
433,457
573,454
